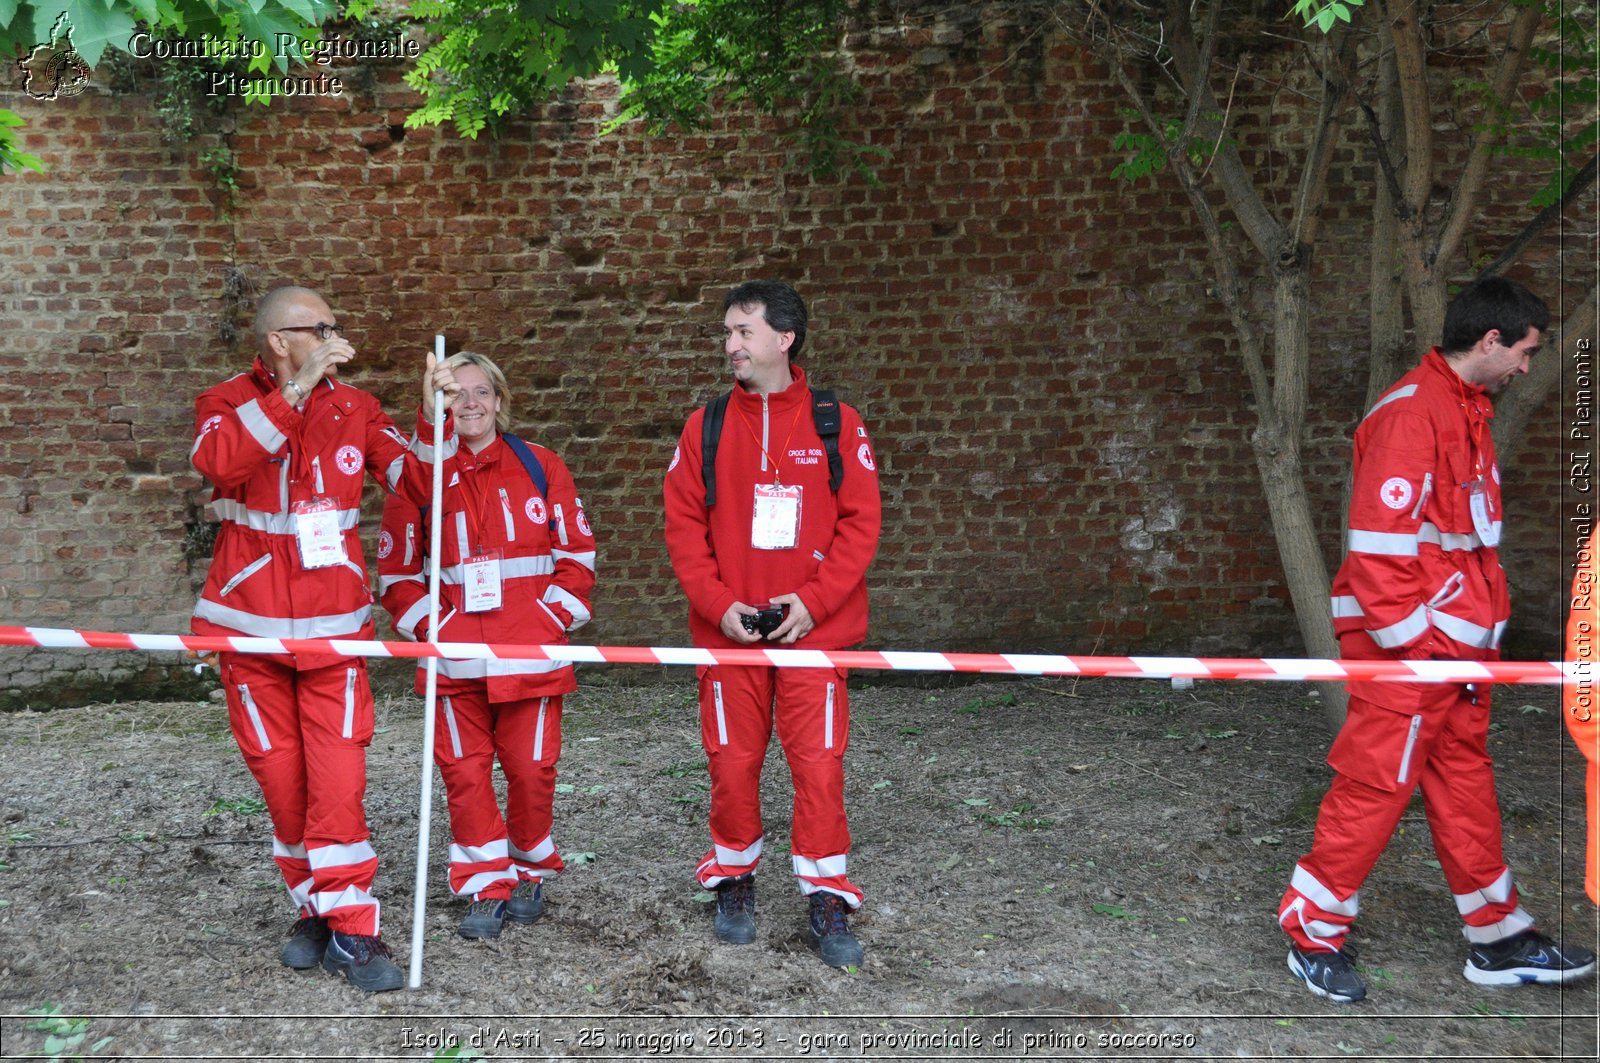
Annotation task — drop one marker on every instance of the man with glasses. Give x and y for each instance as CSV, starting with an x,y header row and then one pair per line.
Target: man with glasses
x,y
287,447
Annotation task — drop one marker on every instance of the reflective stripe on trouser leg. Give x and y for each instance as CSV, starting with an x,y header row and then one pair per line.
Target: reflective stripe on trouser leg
x,y
1458,794
343,863
463,748
1353,827
735,728
265,722
527,738
813,720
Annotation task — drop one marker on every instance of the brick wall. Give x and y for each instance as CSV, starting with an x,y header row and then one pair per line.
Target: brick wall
x,y
1061,421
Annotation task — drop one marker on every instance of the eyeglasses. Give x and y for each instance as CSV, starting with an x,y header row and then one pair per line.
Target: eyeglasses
x,y
323,331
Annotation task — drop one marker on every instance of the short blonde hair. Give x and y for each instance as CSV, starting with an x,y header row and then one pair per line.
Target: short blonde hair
x,y
502,419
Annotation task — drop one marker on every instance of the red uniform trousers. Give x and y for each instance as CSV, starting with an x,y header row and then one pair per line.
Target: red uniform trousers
x,y
486,859
1424,734
813,721
304,736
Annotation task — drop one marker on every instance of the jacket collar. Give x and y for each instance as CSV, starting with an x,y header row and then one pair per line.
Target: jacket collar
x,y
797,393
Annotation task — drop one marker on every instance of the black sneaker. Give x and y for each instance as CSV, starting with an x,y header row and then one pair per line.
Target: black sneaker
x,y
308,940
366,961
483,919
527,902
829,931
1527,957
736,910
1328,974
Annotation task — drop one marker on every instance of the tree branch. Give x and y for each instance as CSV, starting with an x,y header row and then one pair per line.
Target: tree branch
x,y
1464,199
1580,184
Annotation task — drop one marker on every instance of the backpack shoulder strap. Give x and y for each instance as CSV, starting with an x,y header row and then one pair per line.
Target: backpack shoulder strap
x,y
710,436
825,411
530,462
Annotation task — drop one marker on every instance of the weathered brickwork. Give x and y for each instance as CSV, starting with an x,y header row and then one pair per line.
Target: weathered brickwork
x,y
1061,420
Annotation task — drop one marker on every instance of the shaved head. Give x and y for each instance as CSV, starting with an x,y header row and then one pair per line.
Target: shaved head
x,y
272,310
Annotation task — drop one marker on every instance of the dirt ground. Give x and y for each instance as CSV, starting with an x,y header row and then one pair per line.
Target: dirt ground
x,y
1053,870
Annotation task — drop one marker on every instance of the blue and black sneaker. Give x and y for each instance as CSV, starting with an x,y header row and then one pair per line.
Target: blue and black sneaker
x,y
1328,973
1527,957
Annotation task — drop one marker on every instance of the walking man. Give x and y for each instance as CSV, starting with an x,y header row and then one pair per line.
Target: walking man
x,y
1421,580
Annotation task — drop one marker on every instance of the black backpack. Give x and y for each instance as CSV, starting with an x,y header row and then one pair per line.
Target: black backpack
x,y
824,411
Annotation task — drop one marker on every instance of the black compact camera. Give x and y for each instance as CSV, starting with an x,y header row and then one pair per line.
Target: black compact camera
x,y
764,621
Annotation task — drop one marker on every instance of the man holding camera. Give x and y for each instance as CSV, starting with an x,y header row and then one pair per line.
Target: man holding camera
x,y
776,552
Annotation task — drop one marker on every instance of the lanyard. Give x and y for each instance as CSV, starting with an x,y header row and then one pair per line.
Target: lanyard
x,y
776,479
477,498
1475,423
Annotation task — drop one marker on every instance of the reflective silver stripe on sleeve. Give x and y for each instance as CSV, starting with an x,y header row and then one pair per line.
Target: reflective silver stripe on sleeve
x,y
568,601
1389,544
1345,607
386,582
423,448
260,426
1396,635
586,559
1465,631
407,622
1393,396
1430,533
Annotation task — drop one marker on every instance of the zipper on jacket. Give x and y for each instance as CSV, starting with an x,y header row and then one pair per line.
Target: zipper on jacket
x,y
411,542
243,574
1422,499
560,522
511,527
349,701
1411,745
766,441
316,473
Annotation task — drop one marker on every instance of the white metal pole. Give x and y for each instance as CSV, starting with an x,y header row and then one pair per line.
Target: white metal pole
x,y
419,910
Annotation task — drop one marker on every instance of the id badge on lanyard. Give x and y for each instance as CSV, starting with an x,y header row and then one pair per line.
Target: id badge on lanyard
x,y
481,592
316,530
775,521
1482,516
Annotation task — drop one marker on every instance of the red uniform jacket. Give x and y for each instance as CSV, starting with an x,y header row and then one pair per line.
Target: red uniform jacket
x,y
547,557
1422,574
711,549
264,456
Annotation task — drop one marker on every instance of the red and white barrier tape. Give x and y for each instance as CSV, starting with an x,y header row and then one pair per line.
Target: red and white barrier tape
x,y
1548,672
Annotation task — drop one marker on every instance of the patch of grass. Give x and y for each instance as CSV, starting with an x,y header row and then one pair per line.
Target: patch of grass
x,y
239,806
1016,816
977,705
